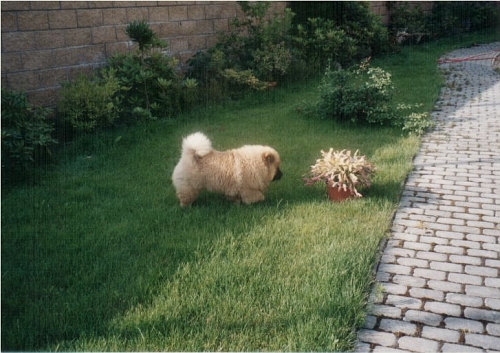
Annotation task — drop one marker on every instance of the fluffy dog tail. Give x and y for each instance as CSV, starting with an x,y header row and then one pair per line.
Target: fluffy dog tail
x,y
197,145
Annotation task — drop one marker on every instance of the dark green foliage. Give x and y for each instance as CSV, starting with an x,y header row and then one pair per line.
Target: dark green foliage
x,y
26,136
320,40
403,17
134,87
88,103
358,94
150,84
143,35
364,95
255,51
456,17
408,23
351,17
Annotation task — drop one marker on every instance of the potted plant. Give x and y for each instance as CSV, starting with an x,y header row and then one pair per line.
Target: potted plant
x,y
343,172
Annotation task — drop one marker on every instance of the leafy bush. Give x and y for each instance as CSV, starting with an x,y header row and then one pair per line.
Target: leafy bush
x,y
354,18
26,135
87,103
358,94
143,35
450,18
254,52
362,94
407,24
445,19
320,40
151,88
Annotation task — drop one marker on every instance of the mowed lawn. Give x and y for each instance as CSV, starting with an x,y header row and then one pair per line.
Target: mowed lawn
x,y
98,255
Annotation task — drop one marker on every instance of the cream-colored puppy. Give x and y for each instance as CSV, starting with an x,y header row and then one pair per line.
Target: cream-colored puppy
x,y
242,174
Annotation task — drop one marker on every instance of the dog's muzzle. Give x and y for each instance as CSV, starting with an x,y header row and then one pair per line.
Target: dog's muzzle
x,y
277,175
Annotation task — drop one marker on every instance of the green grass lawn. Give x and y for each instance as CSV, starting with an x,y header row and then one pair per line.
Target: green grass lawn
x,y
98,256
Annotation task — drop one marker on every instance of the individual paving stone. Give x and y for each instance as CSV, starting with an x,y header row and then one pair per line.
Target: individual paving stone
x,y
483,341
466,216
383,276
416,344
400,252
398,326
450,235
412,262
403,302
427,294
380,349
417,246
443,308
423,317
481,238
432,256
446,266
481,271
493,232
480,224
385,311
455,323
445,286
492,303
382,338
483,253
388,259
465,300
370,322
492,282
466,230
483,292
431,274
440,334
493,329
408,235
492,263
409,281
449,249
433,240
396,269
465,279
454,348
460,259
482,314
393,288
362,347
492,247
465,244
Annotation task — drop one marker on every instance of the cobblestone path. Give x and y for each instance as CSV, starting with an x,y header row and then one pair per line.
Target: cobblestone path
x,y
438,281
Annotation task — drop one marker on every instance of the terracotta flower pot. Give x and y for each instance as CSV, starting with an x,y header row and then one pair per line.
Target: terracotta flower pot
x,y
337,194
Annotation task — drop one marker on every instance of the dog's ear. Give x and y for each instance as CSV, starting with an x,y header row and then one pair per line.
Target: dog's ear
x,y
268,158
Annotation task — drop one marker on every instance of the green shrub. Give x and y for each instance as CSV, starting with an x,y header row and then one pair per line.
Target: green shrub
x,y
140,33
407,23
446,19
353,18
150,84
255,51
26,135
451,18
320,40
364,95
87,103
357,94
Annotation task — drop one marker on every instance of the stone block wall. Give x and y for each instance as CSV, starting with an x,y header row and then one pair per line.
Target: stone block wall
x,y
47,42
